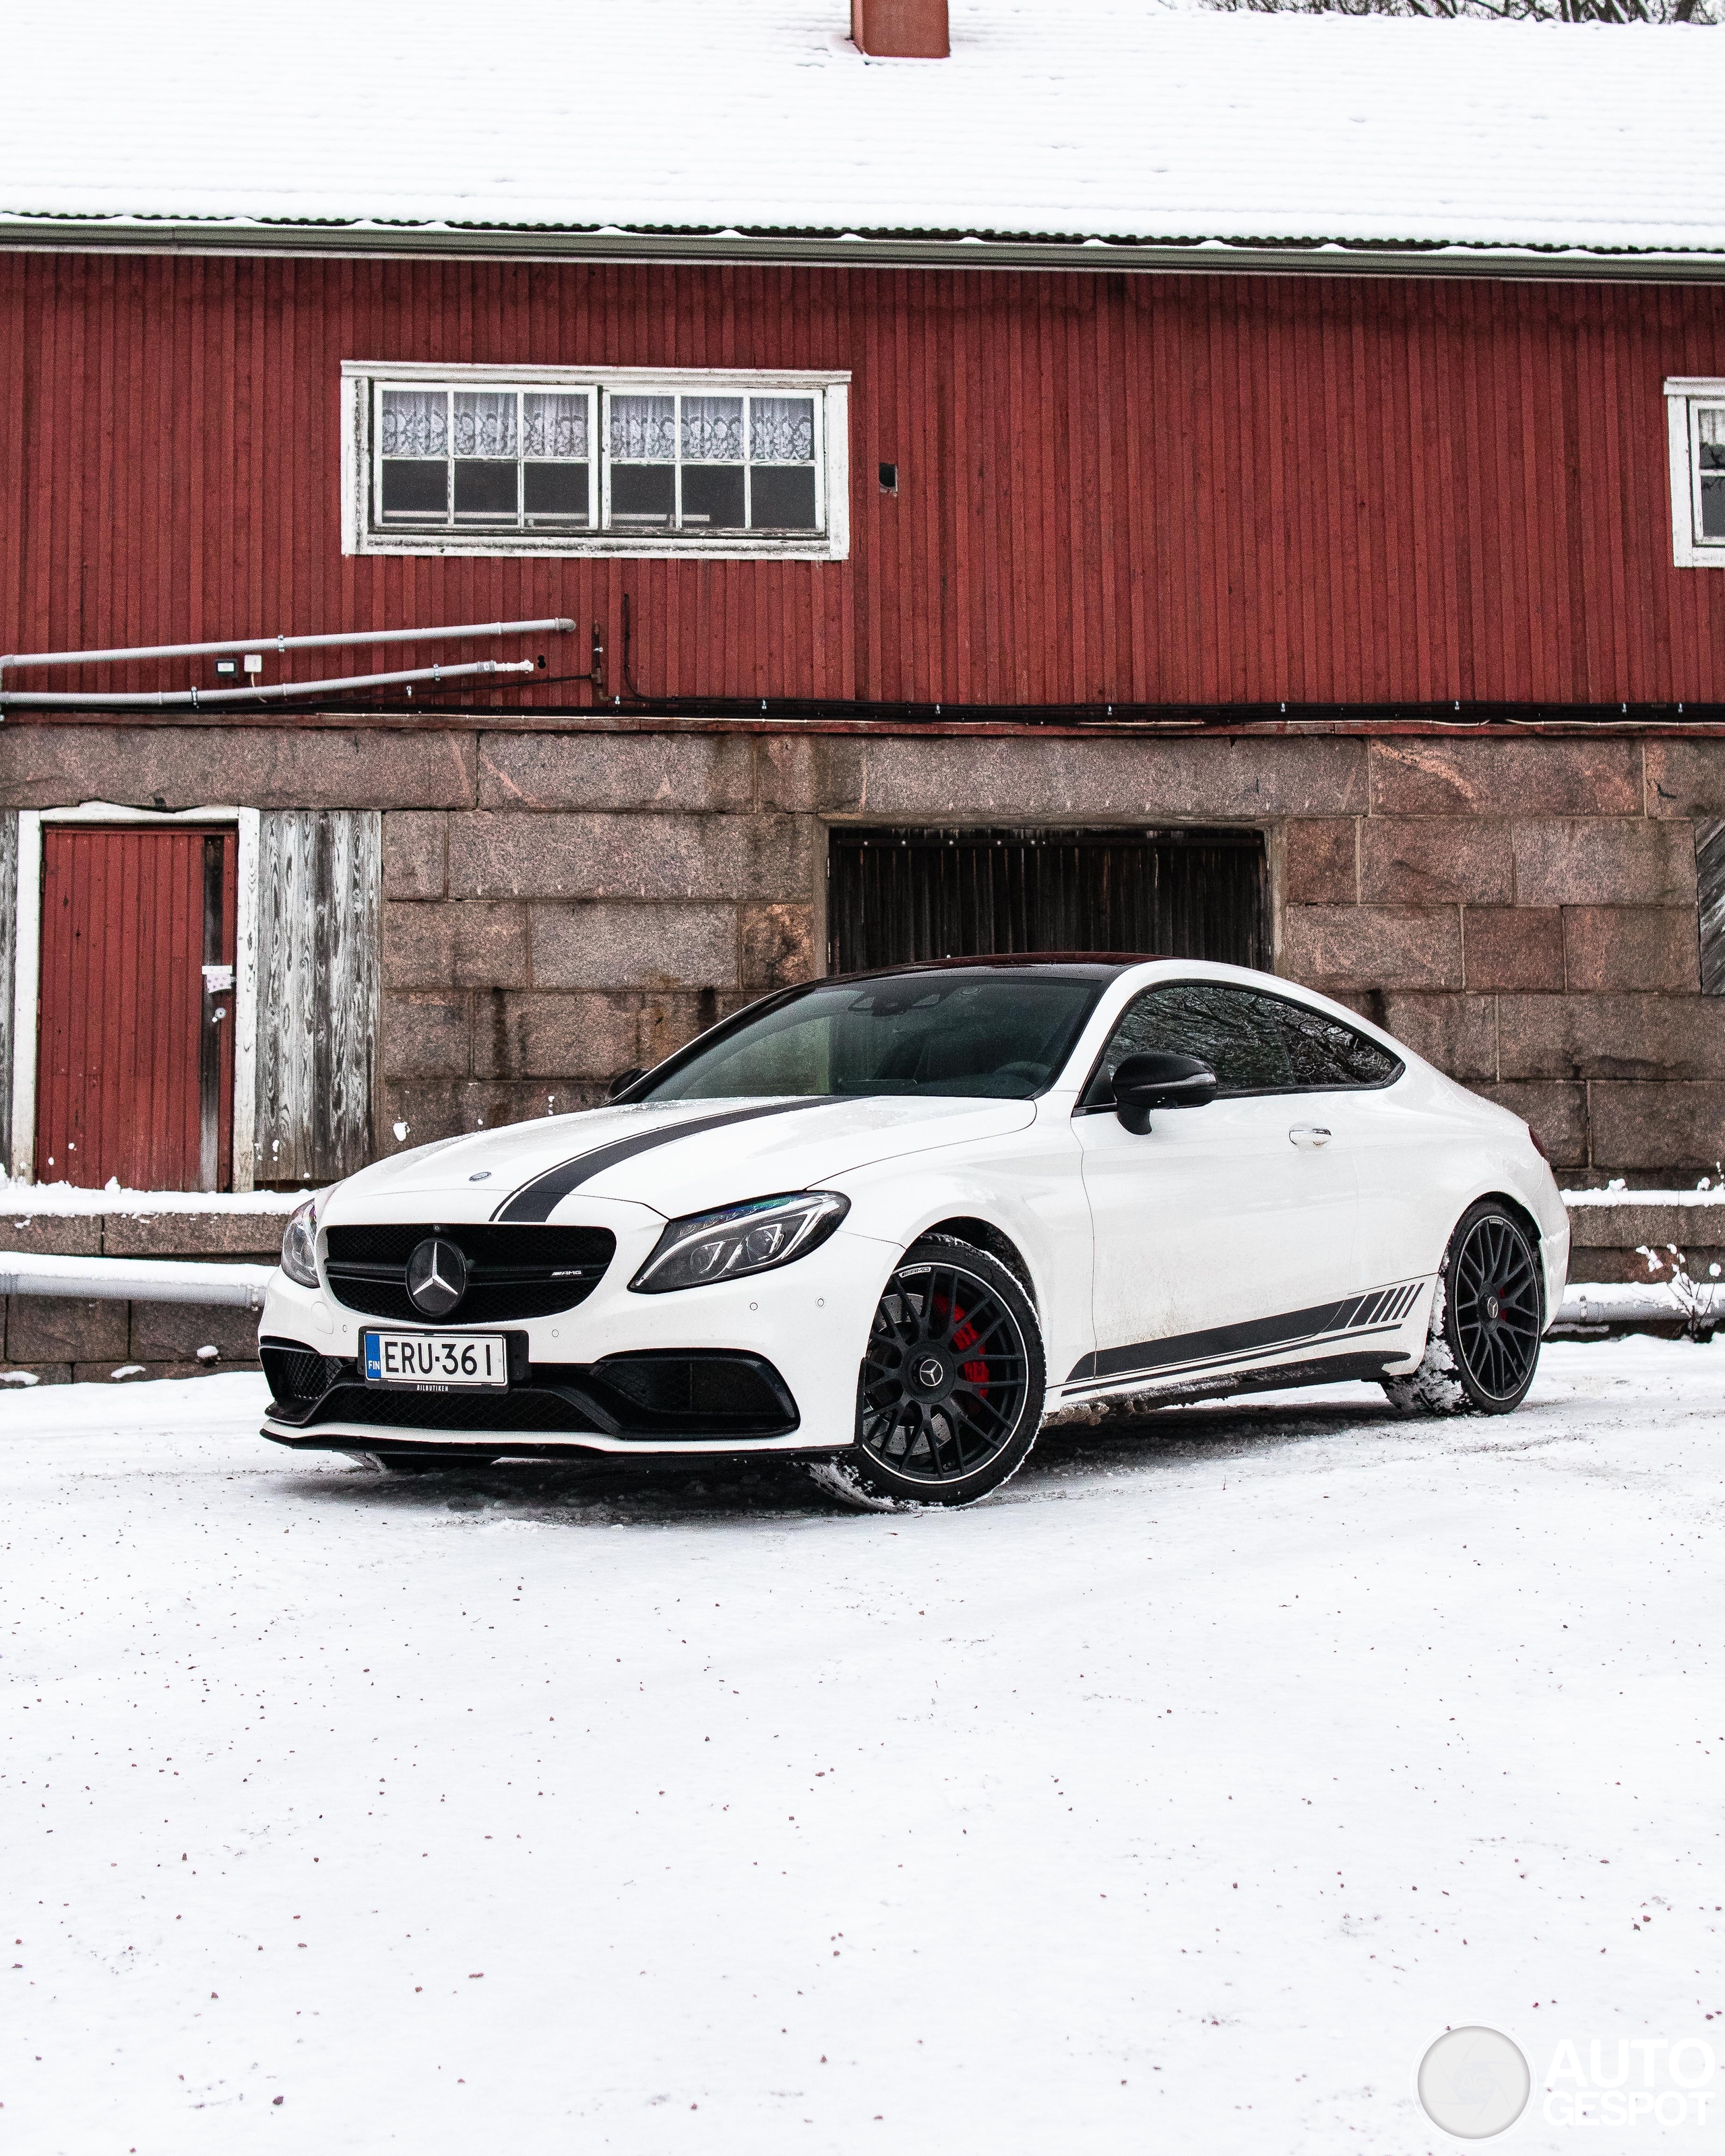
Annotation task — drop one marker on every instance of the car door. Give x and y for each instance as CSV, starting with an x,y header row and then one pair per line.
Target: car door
x,y
1223,1228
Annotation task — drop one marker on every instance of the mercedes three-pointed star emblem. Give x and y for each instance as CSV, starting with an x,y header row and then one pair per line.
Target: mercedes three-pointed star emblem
x,y
437,1277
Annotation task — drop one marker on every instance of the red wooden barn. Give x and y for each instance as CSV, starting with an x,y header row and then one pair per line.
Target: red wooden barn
x,y
1235,486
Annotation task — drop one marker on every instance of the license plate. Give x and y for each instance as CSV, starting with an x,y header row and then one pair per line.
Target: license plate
x,y
435,1361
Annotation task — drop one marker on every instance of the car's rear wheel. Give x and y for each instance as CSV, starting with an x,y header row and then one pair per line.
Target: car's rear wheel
x,y
949,1396
1488,1316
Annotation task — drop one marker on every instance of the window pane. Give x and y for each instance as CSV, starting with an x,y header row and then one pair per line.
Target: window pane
x,y
1324,1052
781,430
558,490
416,423
1710,429
644,429
1227,1028
712,496
485,425
713,430
782,498
555,426
1712,506
643,493
485,489
415,489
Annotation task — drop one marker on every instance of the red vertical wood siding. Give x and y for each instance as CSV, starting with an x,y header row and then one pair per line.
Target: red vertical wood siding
x,y
121,1009
1139,488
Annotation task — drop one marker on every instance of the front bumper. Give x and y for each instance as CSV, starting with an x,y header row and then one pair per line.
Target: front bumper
x,y
795,1336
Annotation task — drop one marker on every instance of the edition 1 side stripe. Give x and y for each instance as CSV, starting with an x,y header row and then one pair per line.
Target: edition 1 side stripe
x,y
1354,1313
534,1200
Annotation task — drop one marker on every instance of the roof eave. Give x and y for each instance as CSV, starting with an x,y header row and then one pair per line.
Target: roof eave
x,y
1204,257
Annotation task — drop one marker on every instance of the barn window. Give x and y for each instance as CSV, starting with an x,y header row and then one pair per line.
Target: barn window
x,y
621,460
1695,425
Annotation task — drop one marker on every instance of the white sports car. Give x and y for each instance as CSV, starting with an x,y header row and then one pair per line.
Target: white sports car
x,y
885,1223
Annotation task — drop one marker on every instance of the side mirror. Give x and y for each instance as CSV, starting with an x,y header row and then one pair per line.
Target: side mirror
x,y
1157,1080
622,1082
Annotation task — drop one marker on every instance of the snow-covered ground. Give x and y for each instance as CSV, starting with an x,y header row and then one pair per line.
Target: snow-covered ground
x,y
1175,1799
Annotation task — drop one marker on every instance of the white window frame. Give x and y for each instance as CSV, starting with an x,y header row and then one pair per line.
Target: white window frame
x,y
1685,396
362,533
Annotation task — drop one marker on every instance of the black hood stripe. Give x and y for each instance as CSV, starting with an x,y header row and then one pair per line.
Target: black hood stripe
x,y
534,1200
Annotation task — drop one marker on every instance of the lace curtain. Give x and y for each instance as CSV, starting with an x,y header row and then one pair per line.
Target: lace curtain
x,y
416,423
781,430
554,426
484,423
712,429
644,429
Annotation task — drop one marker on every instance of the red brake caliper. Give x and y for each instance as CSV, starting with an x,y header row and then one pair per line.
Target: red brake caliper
x,y
964,1336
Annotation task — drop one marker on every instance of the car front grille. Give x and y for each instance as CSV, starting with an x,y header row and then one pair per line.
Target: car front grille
x,y
512,1272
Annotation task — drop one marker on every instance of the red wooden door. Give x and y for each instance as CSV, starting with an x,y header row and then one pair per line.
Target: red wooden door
x,y
135,1039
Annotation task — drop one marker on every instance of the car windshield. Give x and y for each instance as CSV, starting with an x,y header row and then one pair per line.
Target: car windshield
x,y
992,1036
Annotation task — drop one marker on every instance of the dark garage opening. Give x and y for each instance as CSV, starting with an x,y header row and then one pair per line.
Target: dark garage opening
x,y
897,895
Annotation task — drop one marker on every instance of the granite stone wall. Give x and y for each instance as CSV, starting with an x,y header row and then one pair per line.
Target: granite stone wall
x,y
558,905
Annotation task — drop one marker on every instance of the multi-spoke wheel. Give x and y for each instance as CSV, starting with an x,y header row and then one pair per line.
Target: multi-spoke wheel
x,y
1488,1316
949,1399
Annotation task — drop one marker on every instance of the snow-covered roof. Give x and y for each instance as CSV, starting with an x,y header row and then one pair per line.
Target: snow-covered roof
x,y
754,126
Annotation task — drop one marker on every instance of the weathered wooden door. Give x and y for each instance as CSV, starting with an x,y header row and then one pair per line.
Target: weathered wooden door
x,y
135,1028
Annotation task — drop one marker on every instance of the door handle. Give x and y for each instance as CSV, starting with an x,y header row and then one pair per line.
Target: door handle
x,y
1309,1136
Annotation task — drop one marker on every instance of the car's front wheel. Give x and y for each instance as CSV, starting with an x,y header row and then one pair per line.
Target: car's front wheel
x,y
949,1397
1488,1315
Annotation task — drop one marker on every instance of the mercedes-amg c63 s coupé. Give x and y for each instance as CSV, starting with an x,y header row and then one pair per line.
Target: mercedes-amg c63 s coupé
x,y
885,1223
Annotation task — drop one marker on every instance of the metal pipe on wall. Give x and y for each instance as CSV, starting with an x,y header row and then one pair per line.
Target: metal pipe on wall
x,y
338,640
162,700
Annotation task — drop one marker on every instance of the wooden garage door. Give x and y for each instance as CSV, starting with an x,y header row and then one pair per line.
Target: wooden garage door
x,y
897,894
135,1051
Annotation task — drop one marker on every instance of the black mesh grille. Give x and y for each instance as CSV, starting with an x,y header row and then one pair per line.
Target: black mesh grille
x,y
297,1375
699,1391
521,1411
512,1272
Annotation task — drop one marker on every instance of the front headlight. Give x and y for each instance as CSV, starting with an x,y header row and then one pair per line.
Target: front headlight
x,y
298,1245
753,1238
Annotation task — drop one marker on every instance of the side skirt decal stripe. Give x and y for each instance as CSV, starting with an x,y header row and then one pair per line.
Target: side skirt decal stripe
x,y
1378,1309
534,1200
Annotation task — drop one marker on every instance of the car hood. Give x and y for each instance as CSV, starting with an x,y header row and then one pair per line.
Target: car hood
x,y
676,1156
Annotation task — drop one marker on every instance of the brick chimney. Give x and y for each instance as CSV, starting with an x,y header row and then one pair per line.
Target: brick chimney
x,y
901,29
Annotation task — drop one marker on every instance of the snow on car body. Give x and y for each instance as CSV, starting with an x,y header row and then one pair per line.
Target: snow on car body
x,y
886,1223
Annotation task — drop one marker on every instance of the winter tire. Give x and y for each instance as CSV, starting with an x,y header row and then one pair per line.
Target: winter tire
x,y
949,1396
1488,1315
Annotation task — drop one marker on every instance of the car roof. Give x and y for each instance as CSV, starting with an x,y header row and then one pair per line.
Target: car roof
x,y
1078,965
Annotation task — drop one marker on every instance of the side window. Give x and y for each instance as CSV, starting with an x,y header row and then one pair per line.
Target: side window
x,y
1324,1054
1231,1029
1254,1044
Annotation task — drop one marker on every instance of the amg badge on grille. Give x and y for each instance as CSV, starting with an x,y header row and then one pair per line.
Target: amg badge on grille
x,y
437,1277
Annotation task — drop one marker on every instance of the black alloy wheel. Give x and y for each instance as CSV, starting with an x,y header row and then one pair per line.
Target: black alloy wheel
x,y
1494,1307
950,1394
